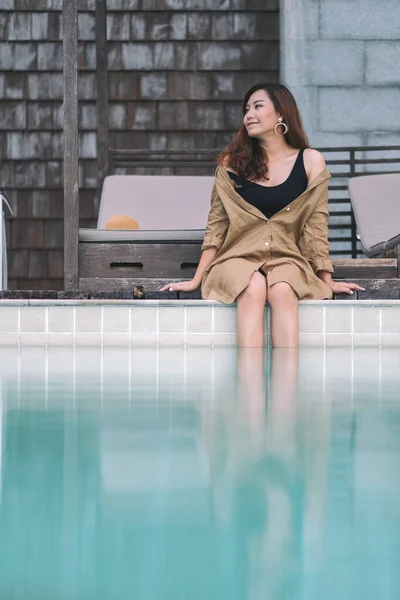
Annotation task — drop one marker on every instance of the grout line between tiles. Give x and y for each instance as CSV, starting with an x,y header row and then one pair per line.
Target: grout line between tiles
x,y
158,372
380,377
19,378
212,327
213,379
157,331
130,375
352,379
19,325
352,325
102,327
102,378
46,325
380,326
74,379
46,394
74,328
185,387
130,326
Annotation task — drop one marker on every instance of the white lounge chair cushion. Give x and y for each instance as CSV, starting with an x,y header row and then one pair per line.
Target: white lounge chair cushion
x,y
157,202
376,204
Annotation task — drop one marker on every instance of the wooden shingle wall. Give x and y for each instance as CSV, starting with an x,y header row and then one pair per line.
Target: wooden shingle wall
x,y
177,72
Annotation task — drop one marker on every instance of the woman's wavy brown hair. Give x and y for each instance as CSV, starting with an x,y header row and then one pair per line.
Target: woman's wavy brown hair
x,y
244,155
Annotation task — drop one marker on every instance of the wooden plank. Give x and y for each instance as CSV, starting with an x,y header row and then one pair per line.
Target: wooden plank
x,y
165,260
379,289
71,191
179,261
91,284
126,260
375,289
364,268
102,90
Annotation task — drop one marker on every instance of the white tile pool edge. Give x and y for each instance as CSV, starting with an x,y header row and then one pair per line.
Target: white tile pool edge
x,y
187,323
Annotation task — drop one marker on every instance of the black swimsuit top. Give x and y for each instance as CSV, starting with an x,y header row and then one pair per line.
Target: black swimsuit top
x,y
270,200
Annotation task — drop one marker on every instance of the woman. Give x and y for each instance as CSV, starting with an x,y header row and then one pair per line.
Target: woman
x,y
267,233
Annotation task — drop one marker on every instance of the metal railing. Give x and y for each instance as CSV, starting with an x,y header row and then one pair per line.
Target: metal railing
x,y
342,163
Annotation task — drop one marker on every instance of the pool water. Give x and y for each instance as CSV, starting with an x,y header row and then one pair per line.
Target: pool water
x,y
174,474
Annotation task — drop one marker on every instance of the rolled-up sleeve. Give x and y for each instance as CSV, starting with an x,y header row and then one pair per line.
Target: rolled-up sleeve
x,y
217,223
314,244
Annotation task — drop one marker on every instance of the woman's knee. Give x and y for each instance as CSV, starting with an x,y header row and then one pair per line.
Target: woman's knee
x,y
281,293
256,291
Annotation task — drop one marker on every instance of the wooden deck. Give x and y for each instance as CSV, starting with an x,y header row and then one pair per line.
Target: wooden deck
x,y
378,276
375,289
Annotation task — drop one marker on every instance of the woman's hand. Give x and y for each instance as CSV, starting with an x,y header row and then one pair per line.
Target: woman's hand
x,y
182,286
343,287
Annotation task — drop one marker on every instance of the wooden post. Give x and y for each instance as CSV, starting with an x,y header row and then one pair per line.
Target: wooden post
x,y
71,187
102,90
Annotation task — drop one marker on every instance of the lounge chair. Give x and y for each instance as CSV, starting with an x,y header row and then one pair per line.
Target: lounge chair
x,y
376,205
172,214
5,213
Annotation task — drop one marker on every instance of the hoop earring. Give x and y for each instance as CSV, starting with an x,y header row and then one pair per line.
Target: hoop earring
x,y
281,123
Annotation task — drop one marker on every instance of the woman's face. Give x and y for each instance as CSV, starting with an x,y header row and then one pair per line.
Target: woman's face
x,y
260,115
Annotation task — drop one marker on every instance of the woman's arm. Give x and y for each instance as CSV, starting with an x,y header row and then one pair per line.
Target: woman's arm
x,y
217,222
325,276
207,257
214,236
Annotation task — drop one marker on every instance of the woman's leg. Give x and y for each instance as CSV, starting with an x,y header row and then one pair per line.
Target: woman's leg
x,y
251,396
284,315
250,312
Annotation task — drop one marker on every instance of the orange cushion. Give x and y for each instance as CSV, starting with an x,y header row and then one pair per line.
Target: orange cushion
x,y
122,222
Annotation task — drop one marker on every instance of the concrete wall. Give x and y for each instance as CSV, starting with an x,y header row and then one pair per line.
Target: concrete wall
x,y
341,58
177,72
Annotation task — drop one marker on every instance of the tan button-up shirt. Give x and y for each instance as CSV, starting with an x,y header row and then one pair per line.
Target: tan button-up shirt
x,y
291,246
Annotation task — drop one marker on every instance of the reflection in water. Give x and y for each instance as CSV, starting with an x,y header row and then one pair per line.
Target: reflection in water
x,y
274,476
253,475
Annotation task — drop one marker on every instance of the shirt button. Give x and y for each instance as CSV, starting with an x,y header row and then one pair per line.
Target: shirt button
x,y
267,221
288,208
266,243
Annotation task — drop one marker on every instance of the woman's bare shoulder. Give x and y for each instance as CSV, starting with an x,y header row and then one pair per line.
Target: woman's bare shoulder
x,y
314,159
314,163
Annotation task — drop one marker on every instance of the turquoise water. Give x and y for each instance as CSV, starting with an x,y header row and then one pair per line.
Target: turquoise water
x,y
205,474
